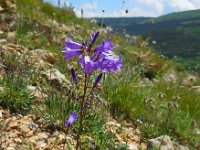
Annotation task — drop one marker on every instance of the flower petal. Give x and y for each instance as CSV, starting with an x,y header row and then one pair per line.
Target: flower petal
x,y
72,118
69,54
93,39
74,77
72,45
87,64
97,80
105,46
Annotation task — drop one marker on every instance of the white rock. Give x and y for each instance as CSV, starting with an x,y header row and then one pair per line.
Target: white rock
x,y
1,114
1,9
10,148
132,147
3,41
41,144
55,75
165,143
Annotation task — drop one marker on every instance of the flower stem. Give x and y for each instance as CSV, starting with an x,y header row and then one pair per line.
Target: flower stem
x,y
81,113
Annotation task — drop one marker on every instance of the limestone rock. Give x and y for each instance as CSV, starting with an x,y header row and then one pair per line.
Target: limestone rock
x,y
165,143
170,76
12,125
41,58
1,114
13,49
132,146
36,91
2,41
29,134
11,36
55,77
1,9
196,89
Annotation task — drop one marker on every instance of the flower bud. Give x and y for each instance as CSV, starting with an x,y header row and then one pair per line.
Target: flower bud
x,y
74,76
97,80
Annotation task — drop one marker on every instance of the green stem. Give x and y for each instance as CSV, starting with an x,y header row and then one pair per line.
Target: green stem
x,y
81,113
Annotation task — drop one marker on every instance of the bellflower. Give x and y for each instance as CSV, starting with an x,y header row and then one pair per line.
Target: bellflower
x,y
87,64
93,39
108,63
97,80
105,46
72,118
74,76
100,57
72,49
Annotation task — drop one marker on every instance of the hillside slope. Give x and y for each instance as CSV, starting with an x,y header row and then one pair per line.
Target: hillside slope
x,y
176,34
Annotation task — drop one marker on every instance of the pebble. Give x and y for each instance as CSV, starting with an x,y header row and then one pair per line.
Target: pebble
x,y
1,114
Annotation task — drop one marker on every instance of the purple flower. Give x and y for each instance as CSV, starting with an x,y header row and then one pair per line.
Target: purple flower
x,y
105,46
74,76
97,80
72,118
93,39
72,49
87,64
101,57
109,63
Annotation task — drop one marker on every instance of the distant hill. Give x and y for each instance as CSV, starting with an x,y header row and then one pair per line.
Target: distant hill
x,y
176,34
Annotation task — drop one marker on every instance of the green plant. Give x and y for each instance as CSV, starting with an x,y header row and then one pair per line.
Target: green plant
x,y
15,98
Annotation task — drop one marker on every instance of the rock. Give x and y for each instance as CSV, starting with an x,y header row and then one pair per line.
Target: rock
x,y
41,58
197,131
36,91
170,76
41,144
39,137
196,89
24,129
1,32
18,140
113,126
1,114
164,143
61,139
25,120
1,9
13,49
55,77
14,133
189,80
2,72
2,41
10,148
29,134
2,89
33,126
132,147
11,36
50,58
12,125
87,142
42,136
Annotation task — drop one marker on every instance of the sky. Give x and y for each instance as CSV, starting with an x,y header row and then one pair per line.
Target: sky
x,y
136,8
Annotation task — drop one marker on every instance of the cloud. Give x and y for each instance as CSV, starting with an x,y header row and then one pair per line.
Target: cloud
x,y
88,10
155,8
147,8
153,5
181,4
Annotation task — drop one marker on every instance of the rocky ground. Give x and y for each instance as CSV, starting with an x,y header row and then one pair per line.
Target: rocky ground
x,y
20,132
